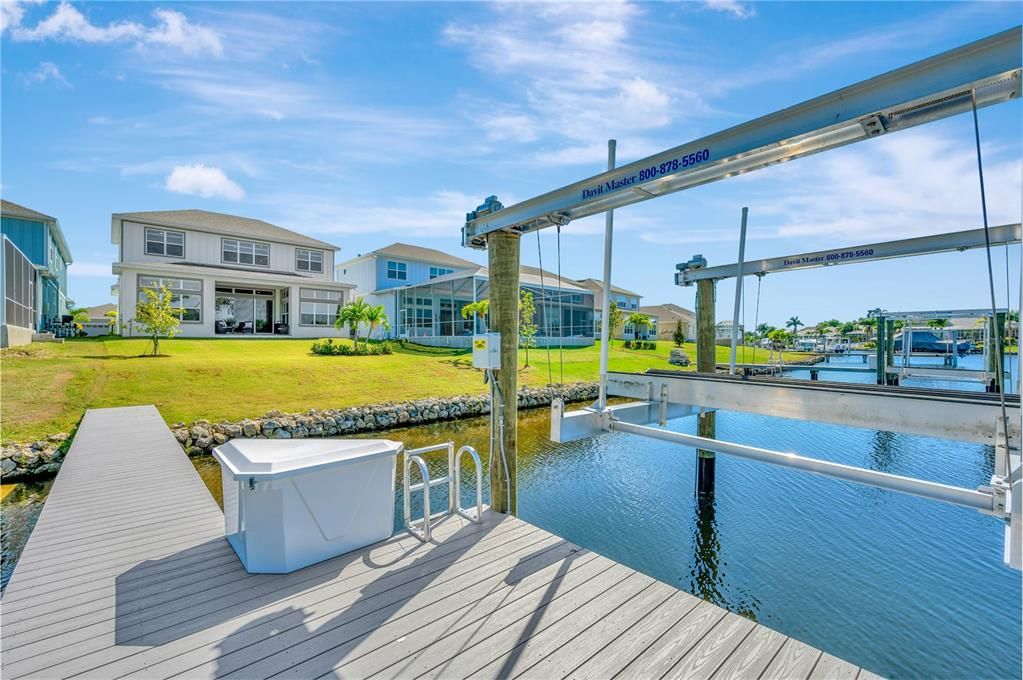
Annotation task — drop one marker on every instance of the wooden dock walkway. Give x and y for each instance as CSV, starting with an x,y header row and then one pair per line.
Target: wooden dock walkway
x,y
127,574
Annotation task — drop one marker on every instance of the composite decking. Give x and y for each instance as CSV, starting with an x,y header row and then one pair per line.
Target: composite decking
x,y
127,574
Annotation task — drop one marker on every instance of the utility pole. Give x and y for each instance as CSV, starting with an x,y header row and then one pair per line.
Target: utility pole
x,y
503,260
706,362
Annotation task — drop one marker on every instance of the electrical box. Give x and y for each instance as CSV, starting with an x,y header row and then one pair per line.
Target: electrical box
x,y
486,351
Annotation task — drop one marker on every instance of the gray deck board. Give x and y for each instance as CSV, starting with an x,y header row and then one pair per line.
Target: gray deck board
x,y
127,574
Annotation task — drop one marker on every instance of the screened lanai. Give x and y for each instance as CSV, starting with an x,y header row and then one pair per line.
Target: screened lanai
x,y
431,313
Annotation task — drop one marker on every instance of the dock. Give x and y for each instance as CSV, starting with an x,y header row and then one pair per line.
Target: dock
x,y
127,574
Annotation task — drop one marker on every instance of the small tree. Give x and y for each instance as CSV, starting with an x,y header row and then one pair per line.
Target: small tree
x,y
351,315
112,319
157,316
615,320
476,310
678,336
80,316
794,323
939,323
637,320
527,324
376,317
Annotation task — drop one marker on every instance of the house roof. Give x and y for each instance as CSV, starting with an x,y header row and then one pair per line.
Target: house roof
x,y
14,210
222,223
668,311
596,285
407,251
99,311
529,276
8,209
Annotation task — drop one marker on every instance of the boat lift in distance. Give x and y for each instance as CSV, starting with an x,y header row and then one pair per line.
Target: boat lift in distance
x,y
973,76
696,271
992,375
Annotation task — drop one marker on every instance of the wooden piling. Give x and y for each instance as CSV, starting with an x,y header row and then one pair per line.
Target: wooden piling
x,y
706,362
503,260
889,352
996,345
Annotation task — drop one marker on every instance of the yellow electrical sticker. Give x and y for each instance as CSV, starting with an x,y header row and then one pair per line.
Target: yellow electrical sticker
x,y
479,344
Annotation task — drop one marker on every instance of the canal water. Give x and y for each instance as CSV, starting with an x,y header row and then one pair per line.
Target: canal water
x,y
903,586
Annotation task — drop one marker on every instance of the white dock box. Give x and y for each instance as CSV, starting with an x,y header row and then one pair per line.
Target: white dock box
x,y
289,504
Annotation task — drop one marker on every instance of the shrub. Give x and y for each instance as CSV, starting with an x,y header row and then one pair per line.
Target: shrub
x,y
628,344
330,348
651,344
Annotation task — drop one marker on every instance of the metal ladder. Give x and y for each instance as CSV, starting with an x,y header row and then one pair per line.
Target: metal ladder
x,y
421,529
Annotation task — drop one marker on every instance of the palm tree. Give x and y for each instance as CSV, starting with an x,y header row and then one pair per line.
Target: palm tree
x,y
636,320
794,323
351,315
376,316
476,310
869,326
939,323
763,329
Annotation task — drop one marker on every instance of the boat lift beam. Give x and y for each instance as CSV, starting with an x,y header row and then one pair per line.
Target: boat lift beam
x,y
690,272
946,414
922,92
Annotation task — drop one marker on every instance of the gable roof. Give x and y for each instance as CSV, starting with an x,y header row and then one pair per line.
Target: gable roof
x,y
99,311
668,311
407,251
596,285
9,209
222,223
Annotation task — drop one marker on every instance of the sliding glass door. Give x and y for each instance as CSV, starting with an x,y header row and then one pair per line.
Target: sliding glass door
x,y
244,311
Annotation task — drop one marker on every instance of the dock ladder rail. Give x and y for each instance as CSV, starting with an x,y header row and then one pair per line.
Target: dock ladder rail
x,y
421,529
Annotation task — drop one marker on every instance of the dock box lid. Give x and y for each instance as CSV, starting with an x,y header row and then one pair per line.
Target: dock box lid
x,y
265,459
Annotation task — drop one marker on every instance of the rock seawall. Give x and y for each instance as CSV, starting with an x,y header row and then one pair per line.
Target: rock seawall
x,y
38,459
202,436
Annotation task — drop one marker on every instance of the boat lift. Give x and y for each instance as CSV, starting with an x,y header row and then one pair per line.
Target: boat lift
x,y
980,74
993,375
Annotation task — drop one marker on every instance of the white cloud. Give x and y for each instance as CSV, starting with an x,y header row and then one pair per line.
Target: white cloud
x,y
910,184
12,12
67,23
739,9
576,67
203,180
47,71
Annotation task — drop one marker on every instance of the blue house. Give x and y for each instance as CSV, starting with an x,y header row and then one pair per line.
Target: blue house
x,y
35,261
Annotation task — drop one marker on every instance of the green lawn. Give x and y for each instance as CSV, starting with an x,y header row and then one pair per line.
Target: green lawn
x,y
47,387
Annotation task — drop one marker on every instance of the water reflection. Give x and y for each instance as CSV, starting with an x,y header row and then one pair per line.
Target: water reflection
x,y
883,450
706,575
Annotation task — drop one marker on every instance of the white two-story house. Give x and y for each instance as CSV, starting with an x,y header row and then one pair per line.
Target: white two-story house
x,y
230,276
423,291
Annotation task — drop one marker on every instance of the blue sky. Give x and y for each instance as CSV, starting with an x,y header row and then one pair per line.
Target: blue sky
x,y
364,124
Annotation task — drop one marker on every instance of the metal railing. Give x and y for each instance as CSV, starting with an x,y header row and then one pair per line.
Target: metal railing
x,y
421,529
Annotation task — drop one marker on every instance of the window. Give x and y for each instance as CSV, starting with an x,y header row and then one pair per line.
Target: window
x,y
440,271
186,295
318,307
164,242
308,260
424,318
245,252
397,271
